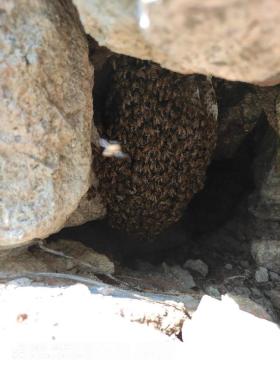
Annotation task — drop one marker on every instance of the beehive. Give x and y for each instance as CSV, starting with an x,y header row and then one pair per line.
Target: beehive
x,y
166,123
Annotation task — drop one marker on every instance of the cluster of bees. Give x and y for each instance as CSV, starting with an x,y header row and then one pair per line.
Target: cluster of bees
x,y
166,123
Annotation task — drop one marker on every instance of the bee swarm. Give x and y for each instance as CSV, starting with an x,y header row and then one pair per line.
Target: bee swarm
x,y
167,124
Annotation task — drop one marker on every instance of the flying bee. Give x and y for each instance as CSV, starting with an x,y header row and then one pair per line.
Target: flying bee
x,y
112,149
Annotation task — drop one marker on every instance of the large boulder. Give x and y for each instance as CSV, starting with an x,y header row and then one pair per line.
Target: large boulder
x,y
45,117
233,39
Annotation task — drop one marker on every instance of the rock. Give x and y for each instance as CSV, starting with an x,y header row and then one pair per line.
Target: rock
x,y
240,108
228,266
21,263
184,278
261,275
91,206
242,291
74,323
256,292
77,258
45,118
197,266
274,296
242,44
265,202
274,276
213,291
267,254
223,326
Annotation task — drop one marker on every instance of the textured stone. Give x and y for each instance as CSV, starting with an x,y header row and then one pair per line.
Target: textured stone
x,y
240,108
261,275
274,276
274,296
45,117
267,254
265,202
197,266
213,291
74,256
236,40
183,277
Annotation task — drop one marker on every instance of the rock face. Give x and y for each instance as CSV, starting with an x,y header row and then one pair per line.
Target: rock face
x,y
235,40
166,123
45,117
264,204
240,109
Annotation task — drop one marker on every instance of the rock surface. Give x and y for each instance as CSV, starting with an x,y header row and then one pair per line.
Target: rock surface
x,y
267,254
45,117
219,327
242,45
197,266
261,275
264,203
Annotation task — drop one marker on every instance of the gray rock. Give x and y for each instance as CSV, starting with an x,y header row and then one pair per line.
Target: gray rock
x,y
256,292
267,254
197,265
228,266
261,275
274,296
45,118
250,306
238,103
182,275
274,276
242,291
213,291
232,50
265,202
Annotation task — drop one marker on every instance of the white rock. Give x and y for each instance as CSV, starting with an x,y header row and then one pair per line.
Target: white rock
x,y
221,325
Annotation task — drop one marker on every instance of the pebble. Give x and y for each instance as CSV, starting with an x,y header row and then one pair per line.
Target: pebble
x,y
261,275
213,291
197,265
228,266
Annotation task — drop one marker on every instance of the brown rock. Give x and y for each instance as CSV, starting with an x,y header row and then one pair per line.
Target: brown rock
x,y
45,117
236,40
